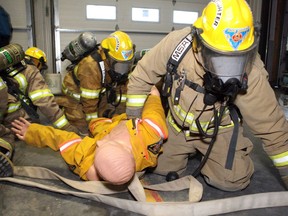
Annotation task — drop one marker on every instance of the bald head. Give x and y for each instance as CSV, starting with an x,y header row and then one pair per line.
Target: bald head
x,y
114,163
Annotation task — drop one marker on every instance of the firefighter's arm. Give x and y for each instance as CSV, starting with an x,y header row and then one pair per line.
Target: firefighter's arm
x,y
90,78
149,71
41,96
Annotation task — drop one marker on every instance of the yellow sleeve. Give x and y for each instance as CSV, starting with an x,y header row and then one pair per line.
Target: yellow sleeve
x,y
153,110
97,125
41,136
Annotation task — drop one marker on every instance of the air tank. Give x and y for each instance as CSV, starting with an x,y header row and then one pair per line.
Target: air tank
x,y
11,55
77,48
139,54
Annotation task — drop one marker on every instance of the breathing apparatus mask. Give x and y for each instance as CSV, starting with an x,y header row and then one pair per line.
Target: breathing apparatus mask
x,y
119,70
226,72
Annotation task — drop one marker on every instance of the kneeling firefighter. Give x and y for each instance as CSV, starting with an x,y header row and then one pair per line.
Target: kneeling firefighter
x,y
95,84
26,93
6,136
213,78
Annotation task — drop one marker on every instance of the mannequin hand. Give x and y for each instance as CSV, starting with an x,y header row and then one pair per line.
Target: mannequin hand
x,y
154,91
20,127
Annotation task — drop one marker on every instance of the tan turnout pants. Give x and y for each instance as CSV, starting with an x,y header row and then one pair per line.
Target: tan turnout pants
x,y
176,151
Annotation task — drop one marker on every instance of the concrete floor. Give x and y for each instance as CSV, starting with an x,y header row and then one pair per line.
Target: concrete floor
x,y
17,200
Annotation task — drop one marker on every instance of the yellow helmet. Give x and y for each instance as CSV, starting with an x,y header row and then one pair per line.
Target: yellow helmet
x,y
119,46
120,51
37,53
226,38
37,57
227,25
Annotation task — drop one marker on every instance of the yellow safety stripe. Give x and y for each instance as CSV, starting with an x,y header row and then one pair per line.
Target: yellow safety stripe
x,y
61,122
192,124
136,100
41,93
12,107
280,159
91,116
90,94
189,119
181,114
66,91
2,84
172,123
69,143
123,98
21,79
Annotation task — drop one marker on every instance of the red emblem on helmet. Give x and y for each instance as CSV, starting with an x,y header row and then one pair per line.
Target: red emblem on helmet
x,y
237,36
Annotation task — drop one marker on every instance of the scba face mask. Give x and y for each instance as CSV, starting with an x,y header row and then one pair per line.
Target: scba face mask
x,y
217,90
120,69
226,71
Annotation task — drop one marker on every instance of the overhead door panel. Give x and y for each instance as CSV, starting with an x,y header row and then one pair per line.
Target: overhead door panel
x,y
71,21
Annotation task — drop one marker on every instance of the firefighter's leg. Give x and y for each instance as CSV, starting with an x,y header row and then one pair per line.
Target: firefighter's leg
x,y
77,118
74,113
176,151
214,170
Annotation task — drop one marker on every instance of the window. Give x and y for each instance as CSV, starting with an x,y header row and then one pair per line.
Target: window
x,y
145,14
101,12
184,17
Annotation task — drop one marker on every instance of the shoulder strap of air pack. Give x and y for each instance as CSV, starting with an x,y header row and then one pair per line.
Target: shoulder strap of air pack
x,y
97,57
176,57
179,52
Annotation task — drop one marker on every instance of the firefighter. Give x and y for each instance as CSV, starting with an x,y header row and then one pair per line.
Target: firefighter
x,y
96,85
118,149
6,136
213,79
29,93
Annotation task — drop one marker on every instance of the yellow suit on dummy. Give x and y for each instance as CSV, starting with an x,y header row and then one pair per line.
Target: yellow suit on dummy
x,y
145,139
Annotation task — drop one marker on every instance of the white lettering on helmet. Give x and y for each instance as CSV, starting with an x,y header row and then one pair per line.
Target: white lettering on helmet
x,y
117,43
218,13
